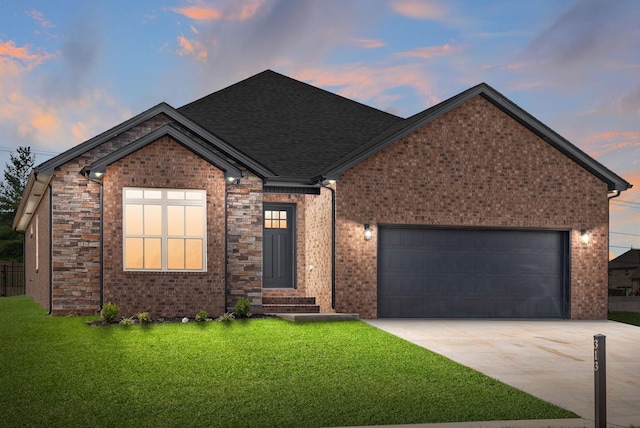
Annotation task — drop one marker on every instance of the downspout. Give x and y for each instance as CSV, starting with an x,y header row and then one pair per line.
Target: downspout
x,y
101,279
614,196
101,246
226,243
50,249
333,244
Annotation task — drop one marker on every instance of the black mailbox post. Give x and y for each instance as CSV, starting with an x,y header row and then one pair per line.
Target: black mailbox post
x,y
600,371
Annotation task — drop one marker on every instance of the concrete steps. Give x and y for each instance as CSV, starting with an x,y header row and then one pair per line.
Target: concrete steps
x,y
273,305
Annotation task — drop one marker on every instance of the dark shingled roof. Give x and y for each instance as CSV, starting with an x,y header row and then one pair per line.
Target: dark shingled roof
x,y
628,260
294,129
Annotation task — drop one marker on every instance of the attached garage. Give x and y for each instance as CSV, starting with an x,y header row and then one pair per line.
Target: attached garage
x,y
472,273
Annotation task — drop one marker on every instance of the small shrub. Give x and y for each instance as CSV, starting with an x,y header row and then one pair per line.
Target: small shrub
x,y
227,316
144,317
127,321
243,307
201,316
110,312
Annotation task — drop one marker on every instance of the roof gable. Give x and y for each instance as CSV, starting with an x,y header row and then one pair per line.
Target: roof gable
x,y
99,167
293,128
411,124
49,166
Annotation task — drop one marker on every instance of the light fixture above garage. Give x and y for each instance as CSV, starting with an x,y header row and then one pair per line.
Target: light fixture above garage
x,y
584,236
368,233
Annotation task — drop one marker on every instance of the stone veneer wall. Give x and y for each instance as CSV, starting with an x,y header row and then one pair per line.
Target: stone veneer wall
x,y
75,234
472,167
244,242
37,280
164,164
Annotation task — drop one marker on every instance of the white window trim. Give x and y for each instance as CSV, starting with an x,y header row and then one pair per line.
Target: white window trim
x,y
164,202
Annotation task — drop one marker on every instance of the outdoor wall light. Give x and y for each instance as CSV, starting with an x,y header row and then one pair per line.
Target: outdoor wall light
x,y
233,180
99,174
584,236
368,233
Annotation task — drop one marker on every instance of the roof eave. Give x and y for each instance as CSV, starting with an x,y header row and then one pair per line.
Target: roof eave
x,y
31,196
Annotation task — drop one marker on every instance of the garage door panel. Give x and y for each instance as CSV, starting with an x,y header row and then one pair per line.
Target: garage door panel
x,y
472,273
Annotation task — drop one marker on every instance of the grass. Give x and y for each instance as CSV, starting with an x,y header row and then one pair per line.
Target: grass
x,y
58,371
632,318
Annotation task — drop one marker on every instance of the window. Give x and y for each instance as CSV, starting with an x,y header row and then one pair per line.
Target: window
x,y
164,229
275,219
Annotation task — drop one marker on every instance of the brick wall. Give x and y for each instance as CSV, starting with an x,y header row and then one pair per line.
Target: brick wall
x,y
38,274
244,242
318,248
164,164
474,166
76,227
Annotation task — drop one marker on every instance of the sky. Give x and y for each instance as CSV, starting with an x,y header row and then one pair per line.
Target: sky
x,y
71,69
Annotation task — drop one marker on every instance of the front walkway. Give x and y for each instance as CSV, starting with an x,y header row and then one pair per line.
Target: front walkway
x,y
550,359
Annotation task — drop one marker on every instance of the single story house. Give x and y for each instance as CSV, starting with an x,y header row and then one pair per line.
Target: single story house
x,y
303,200
624,274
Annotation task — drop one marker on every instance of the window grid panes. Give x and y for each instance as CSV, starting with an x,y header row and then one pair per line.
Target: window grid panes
x,y
275,219
164,229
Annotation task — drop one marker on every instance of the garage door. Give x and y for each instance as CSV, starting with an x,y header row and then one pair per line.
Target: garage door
x,y
469,273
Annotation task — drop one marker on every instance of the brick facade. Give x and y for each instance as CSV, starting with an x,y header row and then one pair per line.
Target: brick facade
x,y
166,294
473,166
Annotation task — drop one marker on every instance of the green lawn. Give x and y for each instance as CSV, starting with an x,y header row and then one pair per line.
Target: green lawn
x,y
261,372
625,317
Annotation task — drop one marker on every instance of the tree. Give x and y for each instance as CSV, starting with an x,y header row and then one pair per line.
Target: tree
x,y
16,174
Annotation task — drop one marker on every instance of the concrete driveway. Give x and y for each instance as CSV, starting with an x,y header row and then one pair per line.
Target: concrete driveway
x,y
550,359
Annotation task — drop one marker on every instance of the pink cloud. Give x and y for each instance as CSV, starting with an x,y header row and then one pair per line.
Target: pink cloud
x,y
39,16
419,9
434,51
372,84
605,142
9,50
369,43
234,10
199,13
191,47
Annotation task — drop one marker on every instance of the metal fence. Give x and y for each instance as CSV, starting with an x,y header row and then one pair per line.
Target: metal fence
x,y
11,279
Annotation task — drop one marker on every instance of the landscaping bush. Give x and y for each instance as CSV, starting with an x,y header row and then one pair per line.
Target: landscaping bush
x,y
243,307
144,317
201,316
110,312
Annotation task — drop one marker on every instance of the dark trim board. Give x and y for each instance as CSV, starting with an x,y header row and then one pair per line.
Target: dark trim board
x,y
426,272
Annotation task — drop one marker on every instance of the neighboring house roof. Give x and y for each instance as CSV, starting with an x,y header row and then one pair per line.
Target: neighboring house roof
x,y
628,260
295,129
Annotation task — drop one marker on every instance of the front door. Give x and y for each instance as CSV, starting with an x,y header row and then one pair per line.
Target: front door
x,y
279,245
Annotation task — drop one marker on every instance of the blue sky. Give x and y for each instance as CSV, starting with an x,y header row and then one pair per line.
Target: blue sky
x,y
72,69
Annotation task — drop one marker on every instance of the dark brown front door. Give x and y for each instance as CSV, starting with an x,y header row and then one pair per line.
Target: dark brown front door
x,y
279,245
